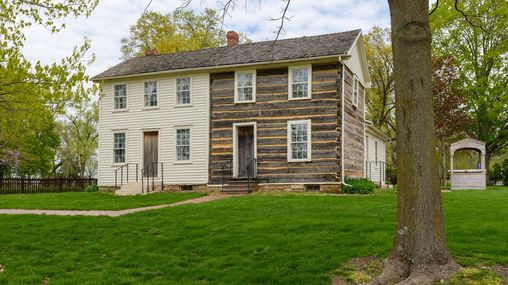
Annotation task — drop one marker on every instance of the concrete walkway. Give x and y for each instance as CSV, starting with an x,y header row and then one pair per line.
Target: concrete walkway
x,y
108,213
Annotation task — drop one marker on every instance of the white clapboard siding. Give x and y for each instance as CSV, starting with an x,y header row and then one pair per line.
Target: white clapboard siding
x,y
357,62
375,169
164,119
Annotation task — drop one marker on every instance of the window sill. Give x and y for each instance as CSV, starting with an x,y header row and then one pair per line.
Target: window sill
x,y
183,162
120,110
183,105
245,102
302,98
300,160
151,108
118,164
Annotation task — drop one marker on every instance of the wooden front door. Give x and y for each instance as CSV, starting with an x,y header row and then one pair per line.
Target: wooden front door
x,y
245,150
151,154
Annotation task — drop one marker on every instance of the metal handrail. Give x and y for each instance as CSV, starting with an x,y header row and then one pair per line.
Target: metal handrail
x,y
125,165
252,162
146,170
223,170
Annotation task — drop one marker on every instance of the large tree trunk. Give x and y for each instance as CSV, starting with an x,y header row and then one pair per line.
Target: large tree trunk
x,y
420,254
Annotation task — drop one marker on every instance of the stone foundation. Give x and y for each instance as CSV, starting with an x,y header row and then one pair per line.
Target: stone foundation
x,y
195,188
324,188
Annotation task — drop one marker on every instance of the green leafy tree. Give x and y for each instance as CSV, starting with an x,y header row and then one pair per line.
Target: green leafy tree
x,y
496,174
479,46
32,94
182,30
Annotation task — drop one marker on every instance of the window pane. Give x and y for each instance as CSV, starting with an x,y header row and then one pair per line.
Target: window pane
x,y
245,80
119,147
300,75
183,84
183,91
120,96
300,90
245,93
183,144
150,93
299,140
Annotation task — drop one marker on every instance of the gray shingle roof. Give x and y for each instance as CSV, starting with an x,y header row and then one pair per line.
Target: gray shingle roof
x,y
287,49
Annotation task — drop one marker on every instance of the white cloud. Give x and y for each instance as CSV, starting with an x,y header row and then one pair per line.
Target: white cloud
x,y
111,20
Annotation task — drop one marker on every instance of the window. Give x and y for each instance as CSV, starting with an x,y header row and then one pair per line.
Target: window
x,y
184,188
150,93
356,87
300,81
183,93
375,150
312,188
119,148
183,144
120,97
245,86
299,141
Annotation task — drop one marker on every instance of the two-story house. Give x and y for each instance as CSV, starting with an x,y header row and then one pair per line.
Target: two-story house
x,y
284,115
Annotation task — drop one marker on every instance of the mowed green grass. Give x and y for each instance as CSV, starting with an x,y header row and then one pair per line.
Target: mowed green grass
x,y
256,239
89,201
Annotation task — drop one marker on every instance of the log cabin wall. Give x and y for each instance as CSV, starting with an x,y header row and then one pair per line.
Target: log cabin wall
x,y
271,111
353,128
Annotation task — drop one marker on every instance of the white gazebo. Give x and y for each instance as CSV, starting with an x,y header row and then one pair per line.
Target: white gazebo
x,y
468,178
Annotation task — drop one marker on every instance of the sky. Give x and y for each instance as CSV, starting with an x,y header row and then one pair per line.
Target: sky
x,y
111,20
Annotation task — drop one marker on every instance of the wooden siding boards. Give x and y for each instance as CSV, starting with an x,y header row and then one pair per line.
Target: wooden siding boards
x,y
164,119
353,129
271,111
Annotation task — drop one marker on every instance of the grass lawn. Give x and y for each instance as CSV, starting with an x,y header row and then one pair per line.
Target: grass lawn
x,y
89,201
256,239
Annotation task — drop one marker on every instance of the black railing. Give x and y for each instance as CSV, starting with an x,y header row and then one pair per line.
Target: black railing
x,y
252,169
150,171
121,170
226,172
380,172
44,185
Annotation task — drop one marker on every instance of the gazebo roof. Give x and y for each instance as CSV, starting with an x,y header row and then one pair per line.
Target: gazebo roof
x,y
468,143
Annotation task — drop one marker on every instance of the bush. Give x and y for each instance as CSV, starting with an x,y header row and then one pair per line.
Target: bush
x,y
359,186
92,188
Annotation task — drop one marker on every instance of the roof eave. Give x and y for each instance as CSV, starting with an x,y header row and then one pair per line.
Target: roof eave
x,y
205,68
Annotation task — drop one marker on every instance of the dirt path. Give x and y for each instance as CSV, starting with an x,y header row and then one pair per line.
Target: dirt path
x,y
115,213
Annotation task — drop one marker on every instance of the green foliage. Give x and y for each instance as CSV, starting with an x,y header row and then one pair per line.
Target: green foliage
x,y
92,188
32,94
496,174
359,186
479,48
182,30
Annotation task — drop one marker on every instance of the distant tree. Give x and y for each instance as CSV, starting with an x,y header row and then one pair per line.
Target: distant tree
x,y
75,156
496,174
479,46
450,107
31,94
182,30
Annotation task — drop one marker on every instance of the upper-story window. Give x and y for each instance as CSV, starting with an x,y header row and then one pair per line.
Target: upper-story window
x,y
150,93
300,82
183,93
120,96
299,141
356,90
119,148
245,86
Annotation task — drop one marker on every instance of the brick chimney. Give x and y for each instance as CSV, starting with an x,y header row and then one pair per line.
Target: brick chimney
x,y
233,38
151,52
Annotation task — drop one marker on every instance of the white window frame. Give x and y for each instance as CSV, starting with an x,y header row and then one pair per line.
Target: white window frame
x,y
309,82
125,147
356,91
188,161
115,109
156,94
237,74
309,141
190,92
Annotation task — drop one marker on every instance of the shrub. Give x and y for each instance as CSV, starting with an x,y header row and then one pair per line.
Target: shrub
x,y
92,188
359,186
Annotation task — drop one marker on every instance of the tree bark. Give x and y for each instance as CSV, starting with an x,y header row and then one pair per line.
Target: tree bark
x,y
420,253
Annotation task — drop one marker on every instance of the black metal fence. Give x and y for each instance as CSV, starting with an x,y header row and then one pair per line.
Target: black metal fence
x,y
44,185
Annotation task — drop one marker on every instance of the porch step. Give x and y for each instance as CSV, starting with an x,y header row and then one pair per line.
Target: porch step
x,y
134,188
238,186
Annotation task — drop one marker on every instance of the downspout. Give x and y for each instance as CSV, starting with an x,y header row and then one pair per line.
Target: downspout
x,y
342,123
